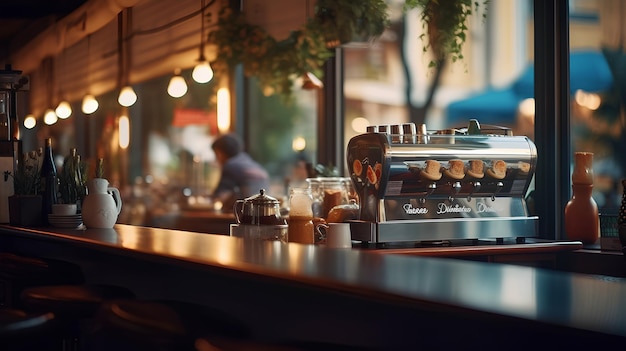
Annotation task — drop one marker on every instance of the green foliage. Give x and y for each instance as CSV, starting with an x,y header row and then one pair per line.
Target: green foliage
x,y
100,168
27,176
445,24
276,64
72,179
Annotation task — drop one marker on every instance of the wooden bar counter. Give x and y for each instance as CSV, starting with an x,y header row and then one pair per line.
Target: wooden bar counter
x,y
348,297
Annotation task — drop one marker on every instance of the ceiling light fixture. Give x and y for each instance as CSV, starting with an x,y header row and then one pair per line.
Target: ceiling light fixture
x,y
127,96
63,110
50,117
177,86
202,73
30,121
90,104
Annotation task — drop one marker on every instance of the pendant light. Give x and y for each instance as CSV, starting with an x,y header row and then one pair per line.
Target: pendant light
x,y
50,117
202,73
127,95
177,86
30,121
90,104
64,109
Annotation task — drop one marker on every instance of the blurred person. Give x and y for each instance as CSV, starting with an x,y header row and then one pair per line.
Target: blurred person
x,y
241,176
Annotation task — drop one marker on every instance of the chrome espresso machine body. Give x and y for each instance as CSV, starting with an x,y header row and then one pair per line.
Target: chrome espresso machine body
x,y
425,187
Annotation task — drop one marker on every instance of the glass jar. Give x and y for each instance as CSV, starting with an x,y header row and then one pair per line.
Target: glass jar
x,y
300,223
328,192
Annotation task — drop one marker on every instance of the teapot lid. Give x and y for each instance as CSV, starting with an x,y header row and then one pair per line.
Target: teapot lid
x,y
261,199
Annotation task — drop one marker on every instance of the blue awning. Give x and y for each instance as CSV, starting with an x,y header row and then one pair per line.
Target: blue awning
x,y
589,71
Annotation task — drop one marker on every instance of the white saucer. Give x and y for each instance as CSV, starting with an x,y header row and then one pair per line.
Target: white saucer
x,y
65,221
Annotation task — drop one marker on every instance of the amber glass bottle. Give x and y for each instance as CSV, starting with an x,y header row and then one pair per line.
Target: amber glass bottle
x,y
582,221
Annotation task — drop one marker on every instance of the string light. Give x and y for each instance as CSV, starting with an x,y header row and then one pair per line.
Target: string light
x,y
50,117
63,110
177,86
90,104
202,73
127,96
30,121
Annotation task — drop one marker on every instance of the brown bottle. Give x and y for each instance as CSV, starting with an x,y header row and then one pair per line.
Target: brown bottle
x,y
582,221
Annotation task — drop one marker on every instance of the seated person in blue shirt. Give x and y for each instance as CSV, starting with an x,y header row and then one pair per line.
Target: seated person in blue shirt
x,y
241,176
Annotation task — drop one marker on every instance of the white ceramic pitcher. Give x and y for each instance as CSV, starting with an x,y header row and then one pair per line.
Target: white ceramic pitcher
x,y
102,205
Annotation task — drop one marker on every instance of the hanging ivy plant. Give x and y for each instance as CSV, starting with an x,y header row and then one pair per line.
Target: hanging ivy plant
x,y
445,24
276,64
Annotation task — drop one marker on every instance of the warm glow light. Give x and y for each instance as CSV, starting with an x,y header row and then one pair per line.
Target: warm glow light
x,y
223,110
124,131
64,110
50,117
127,96
30,121
360,124
589,100
202,73
298,144
177,86
527,107
90,104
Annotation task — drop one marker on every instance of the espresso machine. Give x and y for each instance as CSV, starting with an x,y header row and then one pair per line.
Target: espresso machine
x,y
11,81
419,186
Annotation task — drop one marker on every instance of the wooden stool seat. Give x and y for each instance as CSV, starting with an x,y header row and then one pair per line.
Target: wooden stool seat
x,y
71,301
18,272
17,323
171,325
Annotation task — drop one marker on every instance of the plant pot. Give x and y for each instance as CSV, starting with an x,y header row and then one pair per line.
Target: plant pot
x,y
25,210
64,209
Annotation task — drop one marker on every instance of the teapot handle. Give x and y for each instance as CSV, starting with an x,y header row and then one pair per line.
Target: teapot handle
x,y
238,209
116,196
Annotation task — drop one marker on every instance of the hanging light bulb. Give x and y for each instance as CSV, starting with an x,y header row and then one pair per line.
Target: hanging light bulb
x,y
63,110
30,121
202,73
50,117
90,104
127,96
177,86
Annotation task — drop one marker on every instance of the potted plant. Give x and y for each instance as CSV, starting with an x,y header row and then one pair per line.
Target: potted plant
x,y
25,203
71,185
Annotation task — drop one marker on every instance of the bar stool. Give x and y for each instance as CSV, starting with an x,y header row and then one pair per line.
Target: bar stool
x,y
163,325
22,331
73,305
18,272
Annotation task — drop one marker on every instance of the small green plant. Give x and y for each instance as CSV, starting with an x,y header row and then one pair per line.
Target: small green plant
x,y
72,179
445,25
100,168
27,176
